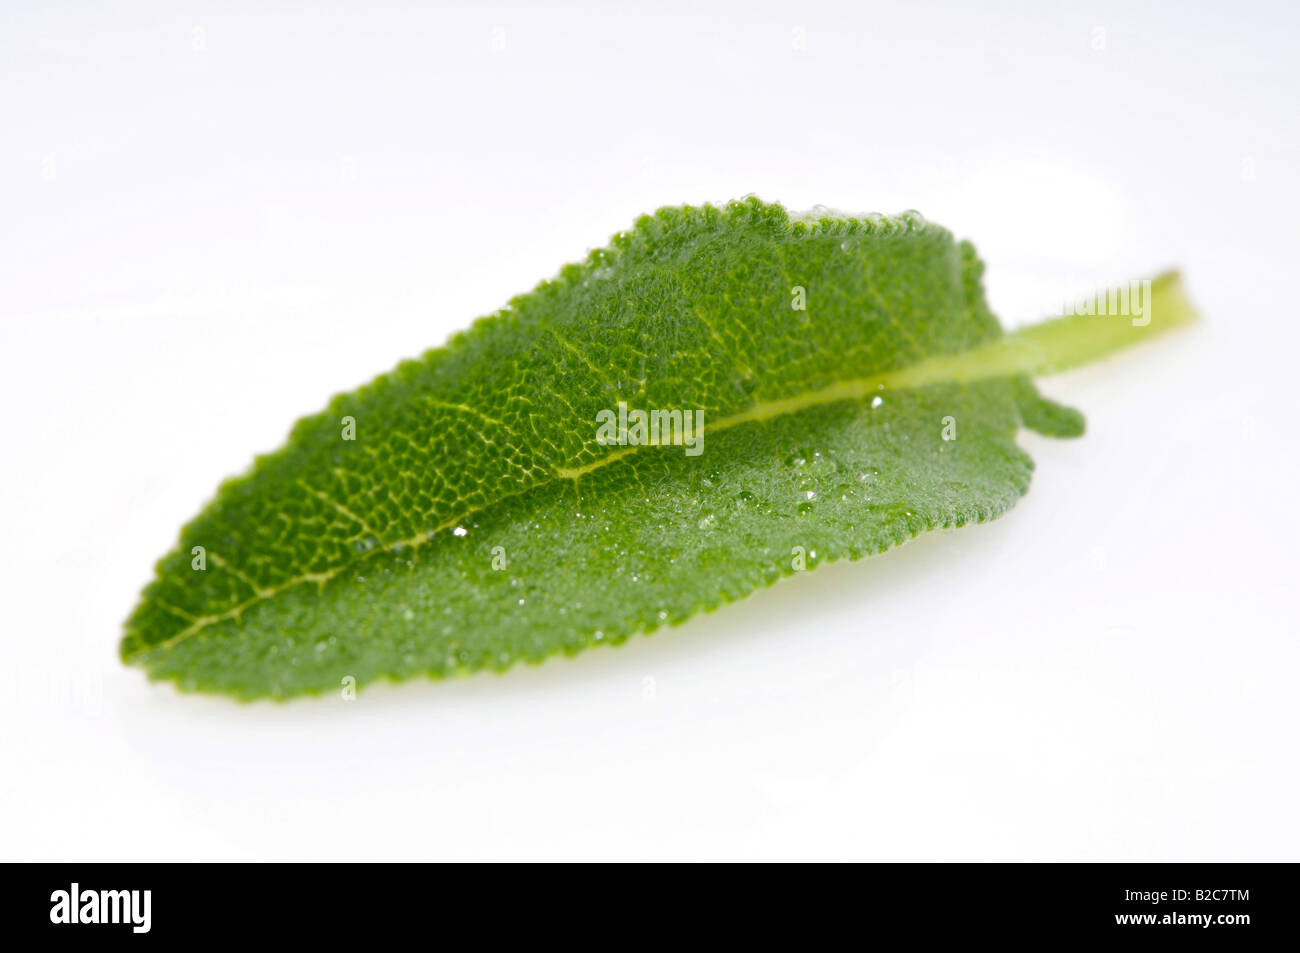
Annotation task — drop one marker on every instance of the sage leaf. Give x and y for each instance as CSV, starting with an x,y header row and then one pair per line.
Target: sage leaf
x,y
720,398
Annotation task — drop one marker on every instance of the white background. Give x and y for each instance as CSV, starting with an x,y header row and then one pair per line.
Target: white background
x,y
214,216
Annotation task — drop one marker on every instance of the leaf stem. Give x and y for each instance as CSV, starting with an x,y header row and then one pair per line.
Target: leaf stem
x,y
1145,310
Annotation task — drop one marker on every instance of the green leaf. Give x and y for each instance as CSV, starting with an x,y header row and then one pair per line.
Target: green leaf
x,y
461,513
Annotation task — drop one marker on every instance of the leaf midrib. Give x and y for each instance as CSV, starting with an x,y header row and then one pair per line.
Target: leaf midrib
x,y
1042,348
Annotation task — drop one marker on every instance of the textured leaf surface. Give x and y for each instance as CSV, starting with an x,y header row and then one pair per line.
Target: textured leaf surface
x,y
476,520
